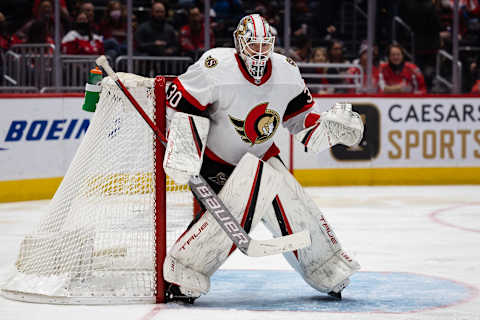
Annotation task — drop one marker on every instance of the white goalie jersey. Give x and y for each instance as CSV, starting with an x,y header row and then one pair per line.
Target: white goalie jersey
x,y
244,116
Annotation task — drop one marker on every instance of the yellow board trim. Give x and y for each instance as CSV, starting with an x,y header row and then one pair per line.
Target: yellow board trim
x,y
28,189
45,188
388,176
35,189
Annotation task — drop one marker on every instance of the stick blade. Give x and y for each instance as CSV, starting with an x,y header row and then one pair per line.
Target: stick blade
x,y
261,248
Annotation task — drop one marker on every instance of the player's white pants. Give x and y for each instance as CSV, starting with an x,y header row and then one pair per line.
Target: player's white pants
x,y
324,265
197,254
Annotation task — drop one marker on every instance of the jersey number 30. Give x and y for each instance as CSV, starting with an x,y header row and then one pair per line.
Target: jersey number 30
x,y
173,95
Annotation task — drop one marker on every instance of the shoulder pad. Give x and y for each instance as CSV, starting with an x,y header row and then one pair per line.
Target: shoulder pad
x,y
212,58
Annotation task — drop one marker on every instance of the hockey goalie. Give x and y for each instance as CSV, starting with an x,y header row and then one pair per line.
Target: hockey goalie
x,y
237,99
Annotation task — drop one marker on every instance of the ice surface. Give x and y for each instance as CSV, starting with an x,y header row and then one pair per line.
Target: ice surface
x,y
418,247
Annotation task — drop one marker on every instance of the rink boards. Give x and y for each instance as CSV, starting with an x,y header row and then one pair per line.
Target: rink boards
x,y
407,140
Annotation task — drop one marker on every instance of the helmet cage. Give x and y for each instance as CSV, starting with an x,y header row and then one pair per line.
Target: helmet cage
x,y
253,50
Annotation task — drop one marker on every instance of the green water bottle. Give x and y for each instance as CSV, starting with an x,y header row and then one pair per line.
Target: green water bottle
x,y
92,90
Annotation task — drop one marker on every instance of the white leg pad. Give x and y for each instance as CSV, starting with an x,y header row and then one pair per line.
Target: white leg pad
x,y
248,195
324,265
192,283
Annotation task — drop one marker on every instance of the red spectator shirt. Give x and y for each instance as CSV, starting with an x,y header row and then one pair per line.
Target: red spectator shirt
x,y
410,75
476,87
6,43
74,43
375,77
192,42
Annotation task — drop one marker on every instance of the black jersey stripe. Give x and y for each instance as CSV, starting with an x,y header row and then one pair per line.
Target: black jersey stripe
x,y
283,223
196,136
252,202
309,134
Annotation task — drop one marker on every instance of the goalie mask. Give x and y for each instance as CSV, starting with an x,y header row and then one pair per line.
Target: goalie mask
x,y
254,43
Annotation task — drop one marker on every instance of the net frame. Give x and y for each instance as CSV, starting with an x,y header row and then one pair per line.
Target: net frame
x,y
160,193
18,288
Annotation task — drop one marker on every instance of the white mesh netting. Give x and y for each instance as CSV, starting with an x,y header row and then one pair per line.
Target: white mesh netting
x,y
96,242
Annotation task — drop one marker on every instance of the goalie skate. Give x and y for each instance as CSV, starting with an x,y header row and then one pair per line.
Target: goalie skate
x,y
174,294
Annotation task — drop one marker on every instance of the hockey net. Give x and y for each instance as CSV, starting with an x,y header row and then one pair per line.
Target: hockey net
x,y
103,237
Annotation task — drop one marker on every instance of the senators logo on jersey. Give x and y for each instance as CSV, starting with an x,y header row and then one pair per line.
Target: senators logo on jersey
x,y
211,62
259,126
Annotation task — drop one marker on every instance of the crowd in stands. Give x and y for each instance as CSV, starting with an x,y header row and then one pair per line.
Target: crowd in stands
x,y
176,28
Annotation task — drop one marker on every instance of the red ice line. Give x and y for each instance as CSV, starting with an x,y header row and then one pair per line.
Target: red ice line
x,y
433,216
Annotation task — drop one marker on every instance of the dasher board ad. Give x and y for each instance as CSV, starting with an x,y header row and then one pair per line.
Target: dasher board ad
x,y
405,132
39,136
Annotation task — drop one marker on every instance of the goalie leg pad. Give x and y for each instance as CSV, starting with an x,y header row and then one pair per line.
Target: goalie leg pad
x,y
191,282
186,143
247,194
324,265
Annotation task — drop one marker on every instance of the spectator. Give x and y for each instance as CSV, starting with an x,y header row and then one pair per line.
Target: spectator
x,y
335,55
319,55
399,76
303,51
470,21
156,37
472,6
476,87
6,39
445,15
192,35
335,52
362,61
39,34
89,9
40,29
82,40
64,14
114,29
475,75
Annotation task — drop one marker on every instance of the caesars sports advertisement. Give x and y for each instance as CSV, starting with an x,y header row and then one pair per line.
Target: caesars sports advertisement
x,y
406,132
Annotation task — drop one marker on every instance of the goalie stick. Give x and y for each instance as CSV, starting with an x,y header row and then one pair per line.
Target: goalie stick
x,y
214,205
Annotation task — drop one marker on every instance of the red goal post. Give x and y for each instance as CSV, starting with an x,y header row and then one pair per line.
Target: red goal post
x,y
161,193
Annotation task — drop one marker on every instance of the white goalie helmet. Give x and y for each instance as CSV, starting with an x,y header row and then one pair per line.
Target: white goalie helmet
x,y
254,43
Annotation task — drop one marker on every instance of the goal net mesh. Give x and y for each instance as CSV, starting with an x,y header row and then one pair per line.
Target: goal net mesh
x,y
96,242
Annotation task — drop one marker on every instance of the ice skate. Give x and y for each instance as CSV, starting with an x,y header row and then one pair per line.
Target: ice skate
x,y
174,294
